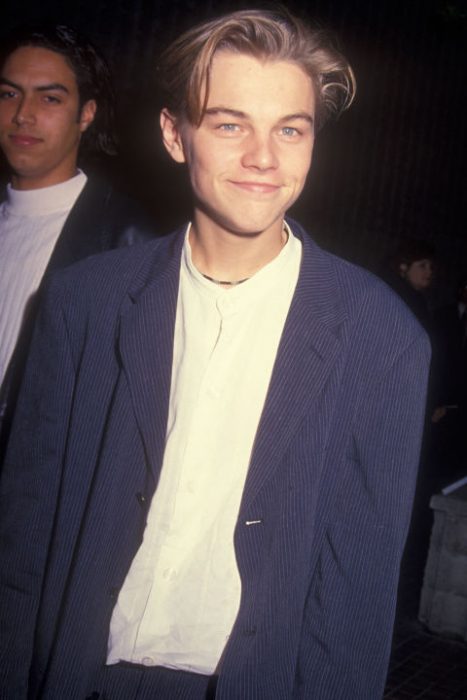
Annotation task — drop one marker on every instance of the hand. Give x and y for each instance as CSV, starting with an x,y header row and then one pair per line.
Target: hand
x,y
438,414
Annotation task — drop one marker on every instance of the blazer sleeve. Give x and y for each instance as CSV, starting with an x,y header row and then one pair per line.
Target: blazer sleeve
x,y
348,619
29,491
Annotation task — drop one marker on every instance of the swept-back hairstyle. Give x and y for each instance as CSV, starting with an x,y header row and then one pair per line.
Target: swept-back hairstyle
x,y
185,66
89,67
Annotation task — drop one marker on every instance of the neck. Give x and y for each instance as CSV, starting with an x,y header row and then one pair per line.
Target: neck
x,y
19,182
230,257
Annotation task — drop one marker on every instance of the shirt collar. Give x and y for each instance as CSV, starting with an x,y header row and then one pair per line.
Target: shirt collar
x,y
46,200
259,283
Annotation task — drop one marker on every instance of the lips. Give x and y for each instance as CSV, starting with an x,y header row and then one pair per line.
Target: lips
x,y
24,140
256,187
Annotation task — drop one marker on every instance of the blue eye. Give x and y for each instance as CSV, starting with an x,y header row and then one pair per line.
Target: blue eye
x,y
228,127
289,131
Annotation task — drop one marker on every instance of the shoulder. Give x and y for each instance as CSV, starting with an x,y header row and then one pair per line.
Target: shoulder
x,y
98,189
367,306
121,218
364,293
107,277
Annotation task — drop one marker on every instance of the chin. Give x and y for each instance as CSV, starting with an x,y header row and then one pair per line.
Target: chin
x,y
254,229
251,226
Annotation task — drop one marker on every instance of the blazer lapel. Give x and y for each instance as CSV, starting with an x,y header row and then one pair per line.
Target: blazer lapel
x,y
83,232
307,353
146,344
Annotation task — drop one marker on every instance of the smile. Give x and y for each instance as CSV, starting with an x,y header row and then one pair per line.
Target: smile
x,y
256,187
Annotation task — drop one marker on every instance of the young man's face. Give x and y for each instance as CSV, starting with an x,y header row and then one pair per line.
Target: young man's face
x,y
40,119
249,158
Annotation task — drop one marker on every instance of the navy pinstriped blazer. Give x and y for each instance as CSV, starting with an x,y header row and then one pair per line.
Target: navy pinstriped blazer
x,y
330,481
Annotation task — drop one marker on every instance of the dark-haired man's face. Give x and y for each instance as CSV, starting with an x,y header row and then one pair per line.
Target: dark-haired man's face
x,y
40,117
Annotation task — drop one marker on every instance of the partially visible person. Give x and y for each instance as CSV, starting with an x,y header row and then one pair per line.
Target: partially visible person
x,y
451,352
56,100
444,450
409,272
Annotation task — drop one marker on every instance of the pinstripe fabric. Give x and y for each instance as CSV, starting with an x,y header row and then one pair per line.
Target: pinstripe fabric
x,y
326,503
100,220
124,681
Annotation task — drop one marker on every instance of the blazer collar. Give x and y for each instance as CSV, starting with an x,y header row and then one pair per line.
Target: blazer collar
x,y
147,326
308,349
84,231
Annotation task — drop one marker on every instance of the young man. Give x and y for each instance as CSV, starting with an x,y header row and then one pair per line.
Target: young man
x,y
55,96
215,499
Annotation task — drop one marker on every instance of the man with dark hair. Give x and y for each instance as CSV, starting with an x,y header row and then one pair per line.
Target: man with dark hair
x,y
216,496
55,99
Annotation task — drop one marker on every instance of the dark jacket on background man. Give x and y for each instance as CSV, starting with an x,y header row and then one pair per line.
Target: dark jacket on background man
x,y
100,219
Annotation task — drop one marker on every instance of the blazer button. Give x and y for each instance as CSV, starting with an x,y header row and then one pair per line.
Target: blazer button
x,y
141,498
94,696
249,632
113,594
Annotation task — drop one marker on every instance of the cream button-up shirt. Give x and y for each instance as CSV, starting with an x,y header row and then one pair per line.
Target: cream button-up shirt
x,y
181,595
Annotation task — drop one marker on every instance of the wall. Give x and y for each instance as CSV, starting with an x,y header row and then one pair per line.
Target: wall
x,y
393,165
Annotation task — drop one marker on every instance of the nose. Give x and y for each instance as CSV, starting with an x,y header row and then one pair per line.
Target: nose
x,y
24,113
260,153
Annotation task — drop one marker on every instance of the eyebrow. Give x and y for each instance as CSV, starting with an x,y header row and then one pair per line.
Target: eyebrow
x,y
237,114
298,115
40,88
212,111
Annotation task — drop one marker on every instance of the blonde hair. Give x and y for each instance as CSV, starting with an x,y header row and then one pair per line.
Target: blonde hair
x,y
185,66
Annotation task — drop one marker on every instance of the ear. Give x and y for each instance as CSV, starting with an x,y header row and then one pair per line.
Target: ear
x,y
171,136
403,268
88,112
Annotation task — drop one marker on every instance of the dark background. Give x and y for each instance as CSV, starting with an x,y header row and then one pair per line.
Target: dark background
x,y
392,166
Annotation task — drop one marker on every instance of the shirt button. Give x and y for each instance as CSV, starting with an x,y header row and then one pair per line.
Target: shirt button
x,y
147,661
